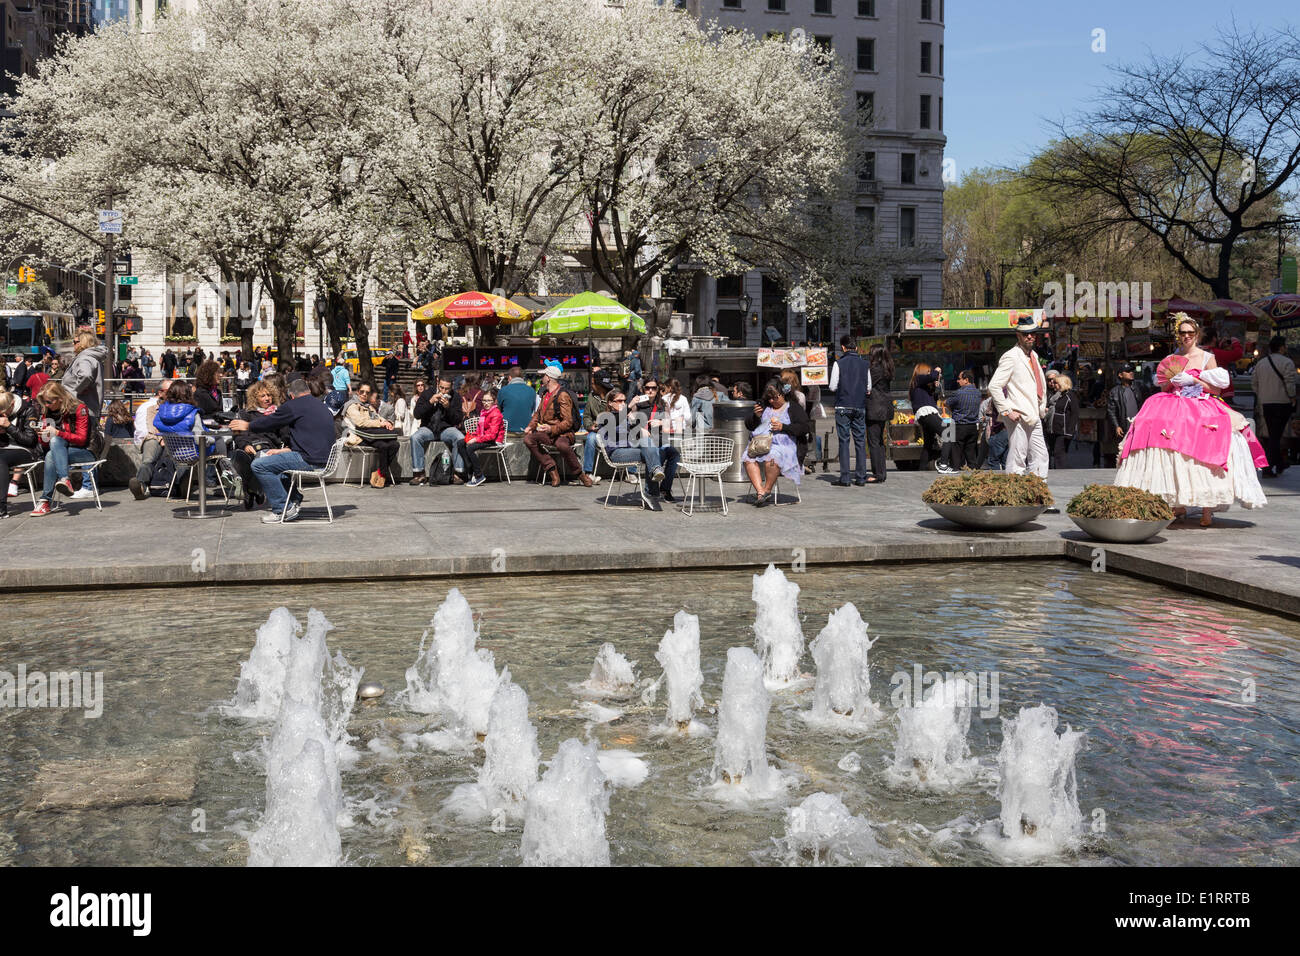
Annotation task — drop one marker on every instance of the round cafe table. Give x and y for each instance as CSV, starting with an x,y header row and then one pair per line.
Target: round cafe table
x,y
202,511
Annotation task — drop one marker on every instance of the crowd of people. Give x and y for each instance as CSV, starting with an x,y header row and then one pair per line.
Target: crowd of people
x,y
52,411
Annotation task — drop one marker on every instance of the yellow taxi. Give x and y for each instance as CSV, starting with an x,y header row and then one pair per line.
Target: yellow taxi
x,y
353,362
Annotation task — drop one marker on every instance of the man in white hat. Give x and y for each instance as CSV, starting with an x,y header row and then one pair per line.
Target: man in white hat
x,y
553,425
1019,393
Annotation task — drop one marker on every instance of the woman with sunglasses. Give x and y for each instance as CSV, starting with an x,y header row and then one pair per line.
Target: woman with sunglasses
x,y
1179,445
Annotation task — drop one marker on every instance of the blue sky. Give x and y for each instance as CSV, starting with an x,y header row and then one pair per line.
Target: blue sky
x,y
1012,64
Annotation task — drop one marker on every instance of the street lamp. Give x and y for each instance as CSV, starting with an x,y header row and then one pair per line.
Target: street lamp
x,y
744,302
320,325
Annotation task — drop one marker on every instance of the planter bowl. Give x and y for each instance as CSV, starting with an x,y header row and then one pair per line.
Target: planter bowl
x,y
1121,530
993,518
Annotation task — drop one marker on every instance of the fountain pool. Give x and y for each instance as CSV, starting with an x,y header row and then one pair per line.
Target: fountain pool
x,y
1178,764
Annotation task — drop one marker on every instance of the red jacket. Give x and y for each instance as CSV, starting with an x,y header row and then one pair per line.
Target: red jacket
x,y
75,428
491,427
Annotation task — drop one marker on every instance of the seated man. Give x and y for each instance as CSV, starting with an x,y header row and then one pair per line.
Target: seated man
x,y
311,435
148,441
440,414
626,442
554,424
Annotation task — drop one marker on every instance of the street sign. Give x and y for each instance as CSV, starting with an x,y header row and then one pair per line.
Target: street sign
x,y
110,220
121,267
12,287
128,280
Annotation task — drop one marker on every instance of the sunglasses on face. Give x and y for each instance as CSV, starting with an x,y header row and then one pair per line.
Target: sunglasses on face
x,y
1187,332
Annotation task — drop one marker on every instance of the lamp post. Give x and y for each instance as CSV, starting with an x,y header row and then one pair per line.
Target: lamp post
x,y
744,302
320,325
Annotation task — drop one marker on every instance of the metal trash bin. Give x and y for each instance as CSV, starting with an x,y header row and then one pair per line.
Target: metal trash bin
x,y
729,422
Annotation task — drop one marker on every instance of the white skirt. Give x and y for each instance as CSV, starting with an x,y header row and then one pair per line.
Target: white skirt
x,y
1184,482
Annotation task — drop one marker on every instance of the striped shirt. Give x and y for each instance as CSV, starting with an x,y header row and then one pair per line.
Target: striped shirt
x,y
964,405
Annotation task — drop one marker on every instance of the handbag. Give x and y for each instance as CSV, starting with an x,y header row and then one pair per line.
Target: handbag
x,y
759,446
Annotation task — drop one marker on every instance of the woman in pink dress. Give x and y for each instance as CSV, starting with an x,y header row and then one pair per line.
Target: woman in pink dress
x,y
1185,444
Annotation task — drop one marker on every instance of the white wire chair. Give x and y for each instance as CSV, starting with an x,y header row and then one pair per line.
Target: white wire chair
x,y
776,491
622,471
86,468
296,476
496,449
705,457
184,451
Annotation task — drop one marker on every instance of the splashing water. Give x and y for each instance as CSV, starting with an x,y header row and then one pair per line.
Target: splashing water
x,y
304,792
822,832
777,634
565,821
510,766
842,696
451,677
679,656
611,674
261,677
931,752
740,754
1040,804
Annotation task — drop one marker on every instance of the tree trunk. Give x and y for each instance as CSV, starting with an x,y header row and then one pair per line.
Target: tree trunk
x,y
365,364
286,327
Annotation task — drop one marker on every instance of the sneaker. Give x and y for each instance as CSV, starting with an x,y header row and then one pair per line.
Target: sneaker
x,y
44,507
658,475
64,487
596,479
139,489
945,470
476,481
292,513
667,496
13,489
82,493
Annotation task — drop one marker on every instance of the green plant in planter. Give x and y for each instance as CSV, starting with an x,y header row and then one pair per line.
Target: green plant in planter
x,y
989,489
1117,501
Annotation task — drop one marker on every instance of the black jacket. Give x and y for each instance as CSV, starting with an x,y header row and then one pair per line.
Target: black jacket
x,y
1115,412
435,417
1063,415
22,429
259,440
799,428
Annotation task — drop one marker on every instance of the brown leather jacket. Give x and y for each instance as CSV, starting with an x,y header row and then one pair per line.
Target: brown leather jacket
x,y
558,412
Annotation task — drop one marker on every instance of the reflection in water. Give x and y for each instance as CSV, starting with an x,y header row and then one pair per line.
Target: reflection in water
x,y
1189,707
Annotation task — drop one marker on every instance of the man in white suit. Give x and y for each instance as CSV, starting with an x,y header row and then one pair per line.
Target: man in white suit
x,y
1019,392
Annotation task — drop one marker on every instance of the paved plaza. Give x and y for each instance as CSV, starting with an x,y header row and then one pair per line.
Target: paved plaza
x,y
1248,558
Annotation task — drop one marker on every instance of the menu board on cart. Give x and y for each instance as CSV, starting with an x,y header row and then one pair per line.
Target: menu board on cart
x,y
813,375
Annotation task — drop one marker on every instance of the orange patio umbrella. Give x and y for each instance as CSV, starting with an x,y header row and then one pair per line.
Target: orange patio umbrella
x,y
471,308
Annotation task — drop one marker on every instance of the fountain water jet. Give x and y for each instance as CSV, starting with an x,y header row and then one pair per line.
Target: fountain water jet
x,y
931,752
261,677
612,674
740,754
564,824
842,695
822,832
778,635
1040,804
451,677
510,765
679,656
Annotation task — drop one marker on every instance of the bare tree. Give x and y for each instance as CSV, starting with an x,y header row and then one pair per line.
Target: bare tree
x,y
1197,151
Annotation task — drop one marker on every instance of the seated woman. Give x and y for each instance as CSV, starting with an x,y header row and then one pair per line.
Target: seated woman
x,y
19,424
785,423
65,436
119,422
370,429
490,430
259,400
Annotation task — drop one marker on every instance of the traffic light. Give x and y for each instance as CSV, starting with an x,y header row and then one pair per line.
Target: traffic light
x,y
26,274
99,321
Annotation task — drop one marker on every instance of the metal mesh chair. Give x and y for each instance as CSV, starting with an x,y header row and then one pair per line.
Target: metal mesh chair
x,y
561,466
86,468
622,471
705,457
776,491
184,450
297,475
496,449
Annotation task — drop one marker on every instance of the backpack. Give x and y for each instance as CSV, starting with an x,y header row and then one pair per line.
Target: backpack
x,y
438,470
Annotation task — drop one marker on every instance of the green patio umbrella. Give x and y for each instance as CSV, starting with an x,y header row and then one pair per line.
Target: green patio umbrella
x,y
588,312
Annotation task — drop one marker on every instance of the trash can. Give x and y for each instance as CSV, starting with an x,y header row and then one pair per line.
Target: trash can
x,y
729,422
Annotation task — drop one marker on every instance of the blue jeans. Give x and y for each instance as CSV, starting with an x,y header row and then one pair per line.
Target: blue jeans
x,y
57,459
998,444
269,469
452,437
654,456
852,422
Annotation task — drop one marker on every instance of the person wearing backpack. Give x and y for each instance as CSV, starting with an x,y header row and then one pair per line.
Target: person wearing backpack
x,y
1274,381
554,423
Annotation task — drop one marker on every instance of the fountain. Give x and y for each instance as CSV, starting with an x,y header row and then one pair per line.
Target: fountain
x,y
451,677
842,698
564,824
822,832
679,656
777,633
740,755
510,766
304,793
1040,804
261,677
931,752
612,674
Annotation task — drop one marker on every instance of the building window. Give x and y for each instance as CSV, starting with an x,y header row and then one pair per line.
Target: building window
x,y
941,11
866,107
777,5
927,9
823,43
822,6
866,8
906,227
731,3
925,58
867,167
865,218
866,53
728,287
925,111
941,59
775,35
907,170
941,112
